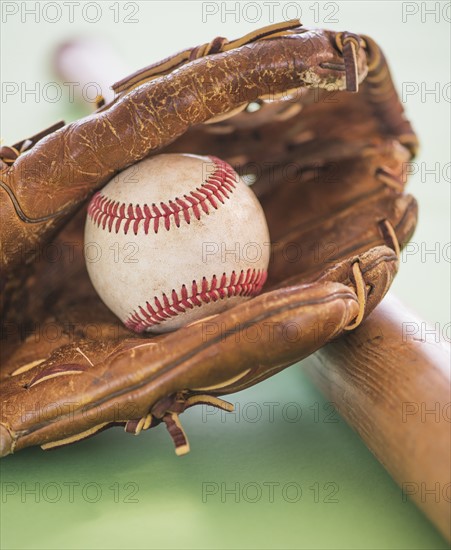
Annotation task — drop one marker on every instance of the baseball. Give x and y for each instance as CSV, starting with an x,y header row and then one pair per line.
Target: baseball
x,y
175,238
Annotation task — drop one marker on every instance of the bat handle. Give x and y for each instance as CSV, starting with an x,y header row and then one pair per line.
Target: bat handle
x,y
390,379
92,64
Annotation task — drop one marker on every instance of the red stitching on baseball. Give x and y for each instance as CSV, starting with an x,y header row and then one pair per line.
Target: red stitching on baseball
x,y
113,215
247,283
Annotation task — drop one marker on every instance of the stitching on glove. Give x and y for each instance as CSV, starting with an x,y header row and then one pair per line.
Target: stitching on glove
x,y
349,45
21,214
76,437
248,283
27,367
217,45
53,372
389,236
136,426
389,178
114,215
9,154
361,295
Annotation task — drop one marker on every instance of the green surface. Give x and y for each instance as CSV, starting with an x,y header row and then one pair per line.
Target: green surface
x,y
171,510
348,500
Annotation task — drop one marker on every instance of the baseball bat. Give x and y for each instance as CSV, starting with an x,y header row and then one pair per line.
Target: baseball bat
x,y
390,379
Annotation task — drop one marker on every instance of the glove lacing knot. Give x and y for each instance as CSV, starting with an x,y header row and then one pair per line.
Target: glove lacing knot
x,y
10,153
167,410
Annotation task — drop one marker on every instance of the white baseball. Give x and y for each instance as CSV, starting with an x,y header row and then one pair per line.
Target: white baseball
x,y
175,238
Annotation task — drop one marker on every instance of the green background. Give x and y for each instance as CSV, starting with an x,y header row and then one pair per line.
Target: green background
x,y
314,451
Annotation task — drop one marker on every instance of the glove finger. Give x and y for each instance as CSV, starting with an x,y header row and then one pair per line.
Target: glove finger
x,y
148,118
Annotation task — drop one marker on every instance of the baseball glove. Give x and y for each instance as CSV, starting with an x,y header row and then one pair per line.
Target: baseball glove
x,y
311,119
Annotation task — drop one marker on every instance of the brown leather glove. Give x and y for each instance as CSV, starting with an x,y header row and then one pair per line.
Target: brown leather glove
x,y
310,117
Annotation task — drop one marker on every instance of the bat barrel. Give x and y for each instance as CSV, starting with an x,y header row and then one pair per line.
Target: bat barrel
x,y
390,379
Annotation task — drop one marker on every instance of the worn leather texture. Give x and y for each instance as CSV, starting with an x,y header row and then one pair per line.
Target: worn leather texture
x,y
312,119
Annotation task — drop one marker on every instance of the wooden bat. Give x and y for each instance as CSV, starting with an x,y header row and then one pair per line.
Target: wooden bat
x,y
391,381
